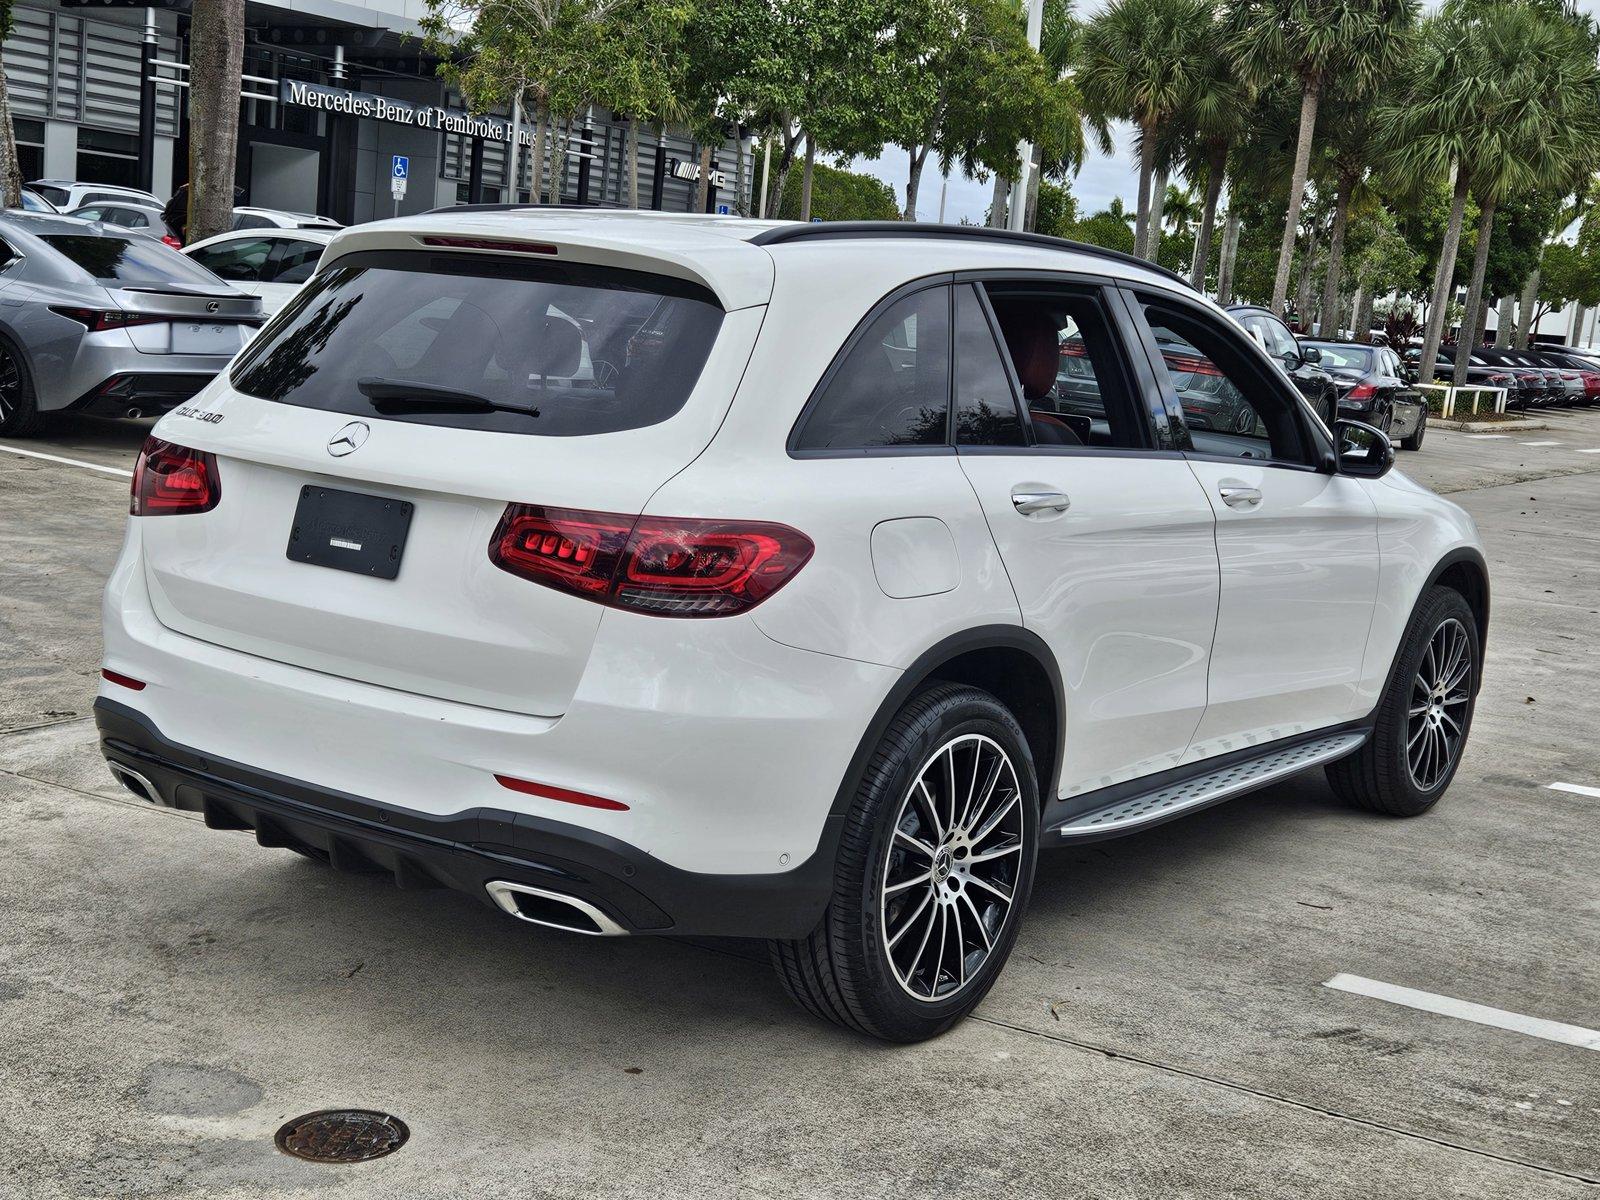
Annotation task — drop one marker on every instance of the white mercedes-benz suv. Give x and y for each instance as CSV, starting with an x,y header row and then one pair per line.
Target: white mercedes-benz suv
x,y
645,574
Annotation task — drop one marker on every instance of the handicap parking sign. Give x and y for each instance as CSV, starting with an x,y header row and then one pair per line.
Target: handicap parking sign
x,y
400,167
723,210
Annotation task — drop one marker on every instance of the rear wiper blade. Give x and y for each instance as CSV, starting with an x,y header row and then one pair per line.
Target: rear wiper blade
x,y
403,393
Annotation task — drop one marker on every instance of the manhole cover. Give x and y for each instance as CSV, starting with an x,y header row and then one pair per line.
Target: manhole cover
x,y
343,1135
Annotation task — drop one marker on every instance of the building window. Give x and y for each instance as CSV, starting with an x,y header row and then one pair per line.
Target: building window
x,y
106,157
30,146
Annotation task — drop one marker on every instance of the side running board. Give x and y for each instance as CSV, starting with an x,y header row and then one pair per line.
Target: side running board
x,y
1201,791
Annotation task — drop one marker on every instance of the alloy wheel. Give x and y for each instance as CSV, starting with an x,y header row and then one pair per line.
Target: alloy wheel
x,y
1437,716
951,872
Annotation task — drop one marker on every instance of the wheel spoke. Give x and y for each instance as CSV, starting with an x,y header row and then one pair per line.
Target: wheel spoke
x,y
983,930
916,844
931,815
911,972
994,821
894,889
993,888
905,927
989,855
975,813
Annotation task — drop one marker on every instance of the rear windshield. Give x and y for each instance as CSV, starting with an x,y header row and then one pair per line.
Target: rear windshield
x,y
125,261
558,350
1347,358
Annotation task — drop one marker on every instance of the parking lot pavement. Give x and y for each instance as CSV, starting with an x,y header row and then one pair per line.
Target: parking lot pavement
x,y
169,995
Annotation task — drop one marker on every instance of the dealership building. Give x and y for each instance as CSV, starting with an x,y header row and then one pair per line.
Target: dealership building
x,y
332,92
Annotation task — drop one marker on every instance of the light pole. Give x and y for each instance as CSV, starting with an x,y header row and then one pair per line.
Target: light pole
x,y
1018,216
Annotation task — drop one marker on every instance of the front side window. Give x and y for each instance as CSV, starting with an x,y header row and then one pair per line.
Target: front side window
x,y
486,343
892,387
296,260
1230,410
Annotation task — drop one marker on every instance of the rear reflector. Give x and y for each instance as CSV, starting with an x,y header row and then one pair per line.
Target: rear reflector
x,y
169,479
661,566
136,685
565,795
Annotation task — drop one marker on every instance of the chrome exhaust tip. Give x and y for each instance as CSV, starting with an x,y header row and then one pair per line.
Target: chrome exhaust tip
x,y
137,784
552,909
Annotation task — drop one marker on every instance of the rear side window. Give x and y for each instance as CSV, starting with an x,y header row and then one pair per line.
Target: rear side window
x,y
239,259
893,386
121,260
296,261
486,343
55,195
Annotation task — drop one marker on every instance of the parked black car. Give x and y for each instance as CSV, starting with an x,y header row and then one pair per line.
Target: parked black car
x,y
1298,360
1579,380
1372,387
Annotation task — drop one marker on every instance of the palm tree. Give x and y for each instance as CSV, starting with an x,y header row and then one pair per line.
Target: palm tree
x,y
1351,145
1216,117
1538,123
10,172
1318,42
1140,63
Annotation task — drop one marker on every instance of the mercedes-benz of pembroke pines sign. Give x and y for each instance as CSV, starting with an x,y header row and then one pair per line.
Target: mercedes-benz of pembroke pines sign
x,y
400,112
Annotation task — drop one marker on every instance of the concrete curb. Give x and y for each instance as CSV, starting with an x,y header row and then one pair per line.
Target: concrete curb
x,y
1487,426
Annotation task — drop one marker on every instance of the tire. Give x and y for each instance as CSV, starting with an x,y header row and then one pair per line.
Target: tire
x,y
1394,773
849,970
1414,441
19,403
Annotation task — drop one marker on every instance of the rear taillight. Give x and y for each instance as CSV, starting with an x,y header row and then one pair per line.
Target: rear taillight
x,y
171,479
663,566
98,319
1361,391
169,240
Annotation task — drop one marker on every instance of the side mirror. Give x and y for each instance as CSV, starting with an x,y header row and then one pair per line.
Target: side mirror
x,y
1311,354
1364,452
1409,373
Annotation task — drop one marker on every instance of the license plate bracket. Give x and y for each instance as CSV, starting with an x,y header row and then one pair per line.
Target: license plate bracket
x,y
349,531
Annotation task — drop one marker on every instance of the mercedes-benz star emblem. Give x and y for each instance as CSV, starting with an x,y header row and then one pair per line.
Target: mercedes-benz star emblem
x,y
213,305
349,439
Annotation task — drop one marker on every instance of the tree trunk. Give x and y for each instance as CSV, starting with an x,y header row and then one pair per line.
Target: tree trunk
x,y
1158,203
1504,319
216,60
559,131
740,176
1309,98
791,141
702,185
1574,324
1216,166
997,204
1469,319
1443,281
805,178
1358,331
514,149
1530,299
1147,164
632,151
1302,291
1230,250
1030,216
536,178
914,181
1328,314
10,171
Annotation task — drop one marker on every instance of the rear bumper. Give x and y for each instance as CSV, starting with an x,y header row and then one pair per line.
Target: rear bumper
x,y
468,850
141,393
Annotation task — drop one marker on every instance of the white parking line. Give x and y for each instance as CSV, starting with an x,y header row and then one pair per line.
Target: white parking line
x,y
1481,1014
1577,789
1541,443
1487,437
1596,450
71,462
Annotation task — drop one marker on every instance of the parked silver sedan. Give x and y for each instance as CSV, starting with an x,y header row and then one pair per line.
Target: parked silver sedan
x,y
100,320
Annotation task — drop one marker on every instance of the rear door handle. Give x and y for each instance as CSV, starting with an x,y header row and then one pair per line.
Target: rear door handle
x,y
1028,503
1240,497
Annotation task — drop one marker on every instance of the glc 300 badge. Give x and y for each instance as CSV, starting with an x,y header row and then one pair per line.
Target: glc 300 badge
x,y
349,439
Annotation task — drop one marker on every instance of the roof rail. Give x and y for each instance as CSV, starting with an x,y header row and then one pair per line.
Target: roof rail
x,y
876,229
